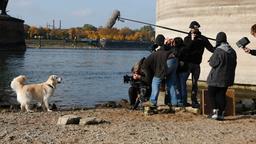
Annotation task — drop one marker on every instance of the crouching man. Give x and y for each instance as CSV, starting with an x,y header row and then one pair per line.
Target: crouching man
x,y
140,89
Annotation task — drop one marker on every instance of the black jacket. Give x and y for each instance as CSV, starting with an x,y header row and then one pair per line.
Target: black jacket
x,y
146,74
223,63
183,64
195,48
156,62
253,52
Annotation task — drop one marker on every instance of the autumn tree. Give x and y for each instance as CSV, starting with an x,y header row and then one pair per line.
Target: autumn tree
x,y
89,27
145,33
33,31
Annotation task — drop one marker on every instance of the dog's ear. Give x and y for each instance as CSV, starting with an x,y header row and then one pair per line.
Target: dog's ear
x,y
53,77
24,78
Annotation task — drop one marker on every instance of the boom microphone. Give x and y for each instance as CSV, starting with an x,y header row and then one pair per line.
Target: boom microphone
x,y
116,16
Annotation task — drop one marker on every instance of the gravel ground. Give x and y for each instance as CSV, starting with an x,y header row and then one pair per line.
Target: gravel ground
x,y
127,127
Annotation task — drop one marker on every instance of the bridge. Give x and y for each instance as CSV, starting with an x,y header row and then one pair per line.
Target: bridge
x,y
12,36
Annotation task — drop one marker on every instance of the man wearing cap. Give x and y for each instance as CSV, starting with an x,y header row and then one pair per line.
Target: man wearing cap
x,y
195,44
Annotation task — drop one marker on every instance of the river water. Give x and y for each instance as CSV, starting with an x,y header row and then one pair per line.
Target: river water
x,y
89,76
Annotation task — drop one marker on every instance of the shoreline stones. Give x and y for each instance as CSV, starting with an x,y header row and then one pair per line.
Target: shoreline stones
x,y
74,119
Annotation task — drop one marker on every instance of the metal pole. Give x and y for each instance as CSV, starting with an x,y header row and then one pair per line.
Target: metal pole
x,y
163,27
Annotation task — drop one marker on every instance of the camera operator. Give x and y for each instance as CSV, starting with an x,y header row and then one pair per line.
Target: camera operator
x,y
140,83
253,33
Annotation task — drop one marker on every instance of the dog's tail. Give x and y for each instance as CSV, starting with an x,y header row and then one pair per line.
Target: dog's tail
x,y
18,82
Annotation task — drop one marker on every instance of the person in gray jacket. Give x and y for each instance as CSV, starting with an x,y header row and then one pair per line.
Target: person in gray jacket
x,y
221,76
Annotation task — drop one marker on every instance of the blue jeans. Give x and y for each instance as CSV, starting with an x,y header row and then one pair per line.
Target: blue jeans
x,y
156,82
172,65
182,88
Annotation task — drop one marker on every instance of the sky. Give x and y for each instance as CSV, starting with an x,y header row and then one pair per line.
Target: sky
x,y
76,13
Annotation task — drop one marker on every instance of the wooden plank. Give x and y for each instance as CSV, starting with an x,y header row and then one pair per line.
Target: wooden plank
x,y
206,106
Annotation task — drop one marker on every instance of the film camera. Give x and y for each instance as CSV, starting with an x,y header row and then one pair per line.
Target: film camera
x,y
127,78
243,42
142,89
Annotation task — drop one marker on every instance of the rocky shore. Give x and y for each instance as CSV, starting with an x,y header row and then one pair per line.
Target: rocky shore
x,y
121,125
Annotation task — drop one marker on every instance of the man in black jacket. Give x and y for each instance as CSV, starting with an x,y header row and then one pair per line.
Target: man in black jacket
x,y
248,50
195,44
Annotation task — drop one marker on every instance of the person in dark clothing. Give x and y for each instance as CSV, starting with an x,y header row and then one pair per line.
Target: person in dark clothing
x,y
182,72
156,63
221,76
195,43
171,72
140,84
253,33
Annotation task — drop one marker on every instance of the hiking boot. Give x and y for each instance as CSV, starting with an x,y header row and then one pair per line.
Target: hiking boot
x,y
217,115
214,114
187,105
195,104
220,115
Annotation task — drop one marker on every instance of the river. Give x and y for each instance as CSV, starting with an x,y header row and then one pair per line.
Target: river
x,y
89,76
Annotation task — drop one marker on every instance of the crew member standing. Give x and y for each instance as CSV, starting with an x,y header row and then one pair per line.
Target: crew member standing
x,y
157,63
221,76
195,43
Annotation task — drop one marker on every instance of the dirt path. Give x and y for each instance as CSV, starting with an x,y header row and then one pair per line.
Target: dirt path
x,y
125,127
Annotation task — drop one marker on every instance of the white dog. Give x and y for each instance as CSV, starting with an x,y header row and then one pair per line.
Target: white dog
x,y
40,92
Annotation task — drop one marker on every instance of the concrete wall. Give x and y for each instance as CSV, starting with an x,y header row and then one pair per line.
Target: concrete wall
x,y
235,17
12,35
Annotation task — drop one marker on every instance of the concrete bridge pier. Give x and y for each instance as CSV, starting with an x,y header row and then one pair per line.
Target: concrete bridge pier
x,y
12,35
234,17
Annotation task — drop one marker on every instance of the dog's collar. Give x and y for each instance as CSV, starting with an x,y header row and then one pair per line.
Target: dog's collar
x,y
50,86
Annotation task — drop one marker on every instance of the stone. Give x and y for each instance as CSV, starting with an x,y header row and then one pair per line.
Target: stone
x,y
68,119
193,110
92,121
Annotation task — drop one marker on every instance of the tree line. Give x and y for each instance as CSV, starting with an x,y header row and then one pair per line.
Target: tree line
x,y
145,33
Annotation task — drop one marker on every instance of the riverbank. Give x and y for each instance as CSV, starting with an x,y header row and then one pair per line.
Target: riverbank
x,y
106,45
37,43
125,126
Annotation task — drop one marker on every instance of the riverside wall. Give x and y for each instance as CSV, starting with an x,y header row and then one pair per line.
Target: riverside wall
x,y
234,17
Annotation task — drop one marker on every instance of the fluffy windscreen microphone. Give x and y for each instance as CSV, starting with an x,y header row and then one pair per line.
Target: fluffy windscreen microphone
x,y
115,16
